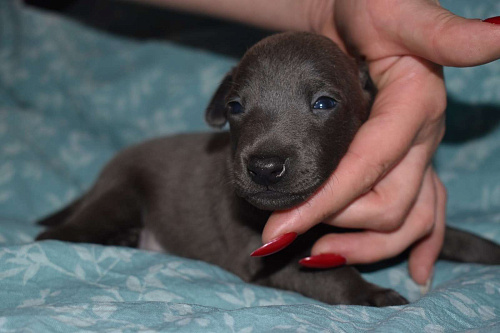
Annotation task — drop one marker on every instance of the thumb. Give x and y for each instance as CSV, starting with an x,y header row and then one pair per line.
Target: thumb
x,y
450,40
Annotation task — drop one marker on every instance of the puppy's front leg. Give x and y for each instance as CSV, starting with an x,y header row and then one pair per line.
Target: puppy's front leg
x,y
343,285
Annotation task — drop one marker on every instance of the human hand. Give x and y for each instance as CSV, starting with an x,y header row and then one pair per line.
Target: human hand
x,y
385,184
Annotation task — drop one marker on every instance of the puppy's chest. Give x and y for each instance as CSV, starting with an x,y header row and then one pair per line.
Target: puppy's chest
x,y
225,236
229,250
149,242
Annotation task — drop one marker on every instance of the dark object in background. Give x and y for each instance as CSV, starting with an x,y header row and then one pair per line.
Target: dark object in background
x,y
58,5
141,21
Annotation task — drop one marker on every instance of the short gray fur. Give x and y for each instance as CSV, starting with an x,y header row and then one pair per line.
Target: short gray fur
x,y
195,192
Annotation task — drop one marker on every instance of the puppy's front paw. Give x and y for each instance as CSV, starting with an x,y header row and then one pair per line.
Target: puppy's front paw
x,y
128,237
65,233
385,297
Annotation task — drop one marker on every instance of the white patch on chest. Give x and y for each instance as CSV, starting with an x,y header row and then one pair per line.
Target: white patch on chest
x,y
148,242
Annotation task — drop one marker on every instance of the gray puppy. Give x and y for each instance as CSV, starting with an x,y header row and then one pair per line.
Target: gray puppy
x,y
293,104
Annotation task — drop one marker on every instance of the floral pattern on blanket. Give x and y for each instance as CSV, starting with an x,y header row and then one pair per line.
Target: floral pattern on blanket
x,y
70,97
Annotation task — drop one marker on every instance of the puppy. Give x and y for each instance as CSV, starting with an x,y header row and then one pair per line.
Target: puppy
x,y
293,105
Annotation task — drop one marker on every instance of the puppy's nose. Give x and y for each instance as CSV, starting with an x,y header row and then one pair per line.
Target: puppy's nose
x,y
266,170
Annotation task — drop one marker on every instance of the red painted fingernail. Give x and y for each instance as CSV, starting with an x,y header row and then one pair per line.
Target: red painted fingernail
x,y
494,20
277,244
324,260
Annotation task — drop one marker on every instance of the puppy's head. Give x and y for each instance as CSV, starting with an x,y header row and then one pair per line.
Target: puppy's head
x,y
293,103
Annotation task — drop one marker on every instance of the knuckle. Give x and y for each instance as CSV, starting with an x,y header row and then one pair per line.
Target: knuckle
x,y
373,174
425,220
325,217
392,213
440,104
434,106
392,218
436,109
372,171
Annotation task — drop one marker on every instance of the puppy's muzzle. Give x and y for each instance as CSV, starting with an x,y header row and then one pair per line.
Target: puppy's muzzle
x,y
266,170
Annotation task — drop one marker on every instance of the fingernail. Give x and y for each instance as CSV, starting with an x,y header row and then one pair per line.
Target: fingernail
x,y
425,288
275,245
494,20
324,260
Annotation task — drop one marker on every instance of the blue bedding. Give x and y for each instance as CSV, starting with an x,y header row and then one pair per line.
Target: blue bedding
x,y
70,97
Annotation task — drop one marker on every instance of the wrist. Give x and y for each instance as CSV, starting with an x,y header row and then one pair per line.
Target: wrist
x,y
279,15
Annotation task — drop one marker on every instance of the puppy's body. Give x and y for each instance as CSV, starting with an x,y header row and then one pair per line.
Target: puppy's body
x,y
208,196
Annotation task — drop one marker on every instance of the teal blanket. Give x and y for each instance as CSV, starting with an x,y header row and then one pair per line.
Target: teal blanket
x,y
70,97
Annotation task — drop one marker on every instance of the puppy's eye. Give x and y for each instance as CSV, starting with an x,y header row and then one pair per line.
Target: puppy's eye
x,y
324,103
235,107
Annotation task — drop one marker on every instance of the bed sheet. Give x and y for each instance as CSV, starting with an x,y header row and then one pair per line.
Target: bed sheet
x,y
70,97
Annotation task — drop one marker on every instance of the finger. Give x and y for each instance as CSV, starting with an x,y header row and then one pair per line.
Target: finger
x,y
370,246
398,115
426,251
387,205
447,39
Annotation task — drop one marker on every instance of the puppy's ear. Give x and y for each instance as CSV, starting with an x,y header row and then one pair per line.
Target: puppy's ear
x,y
216,113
